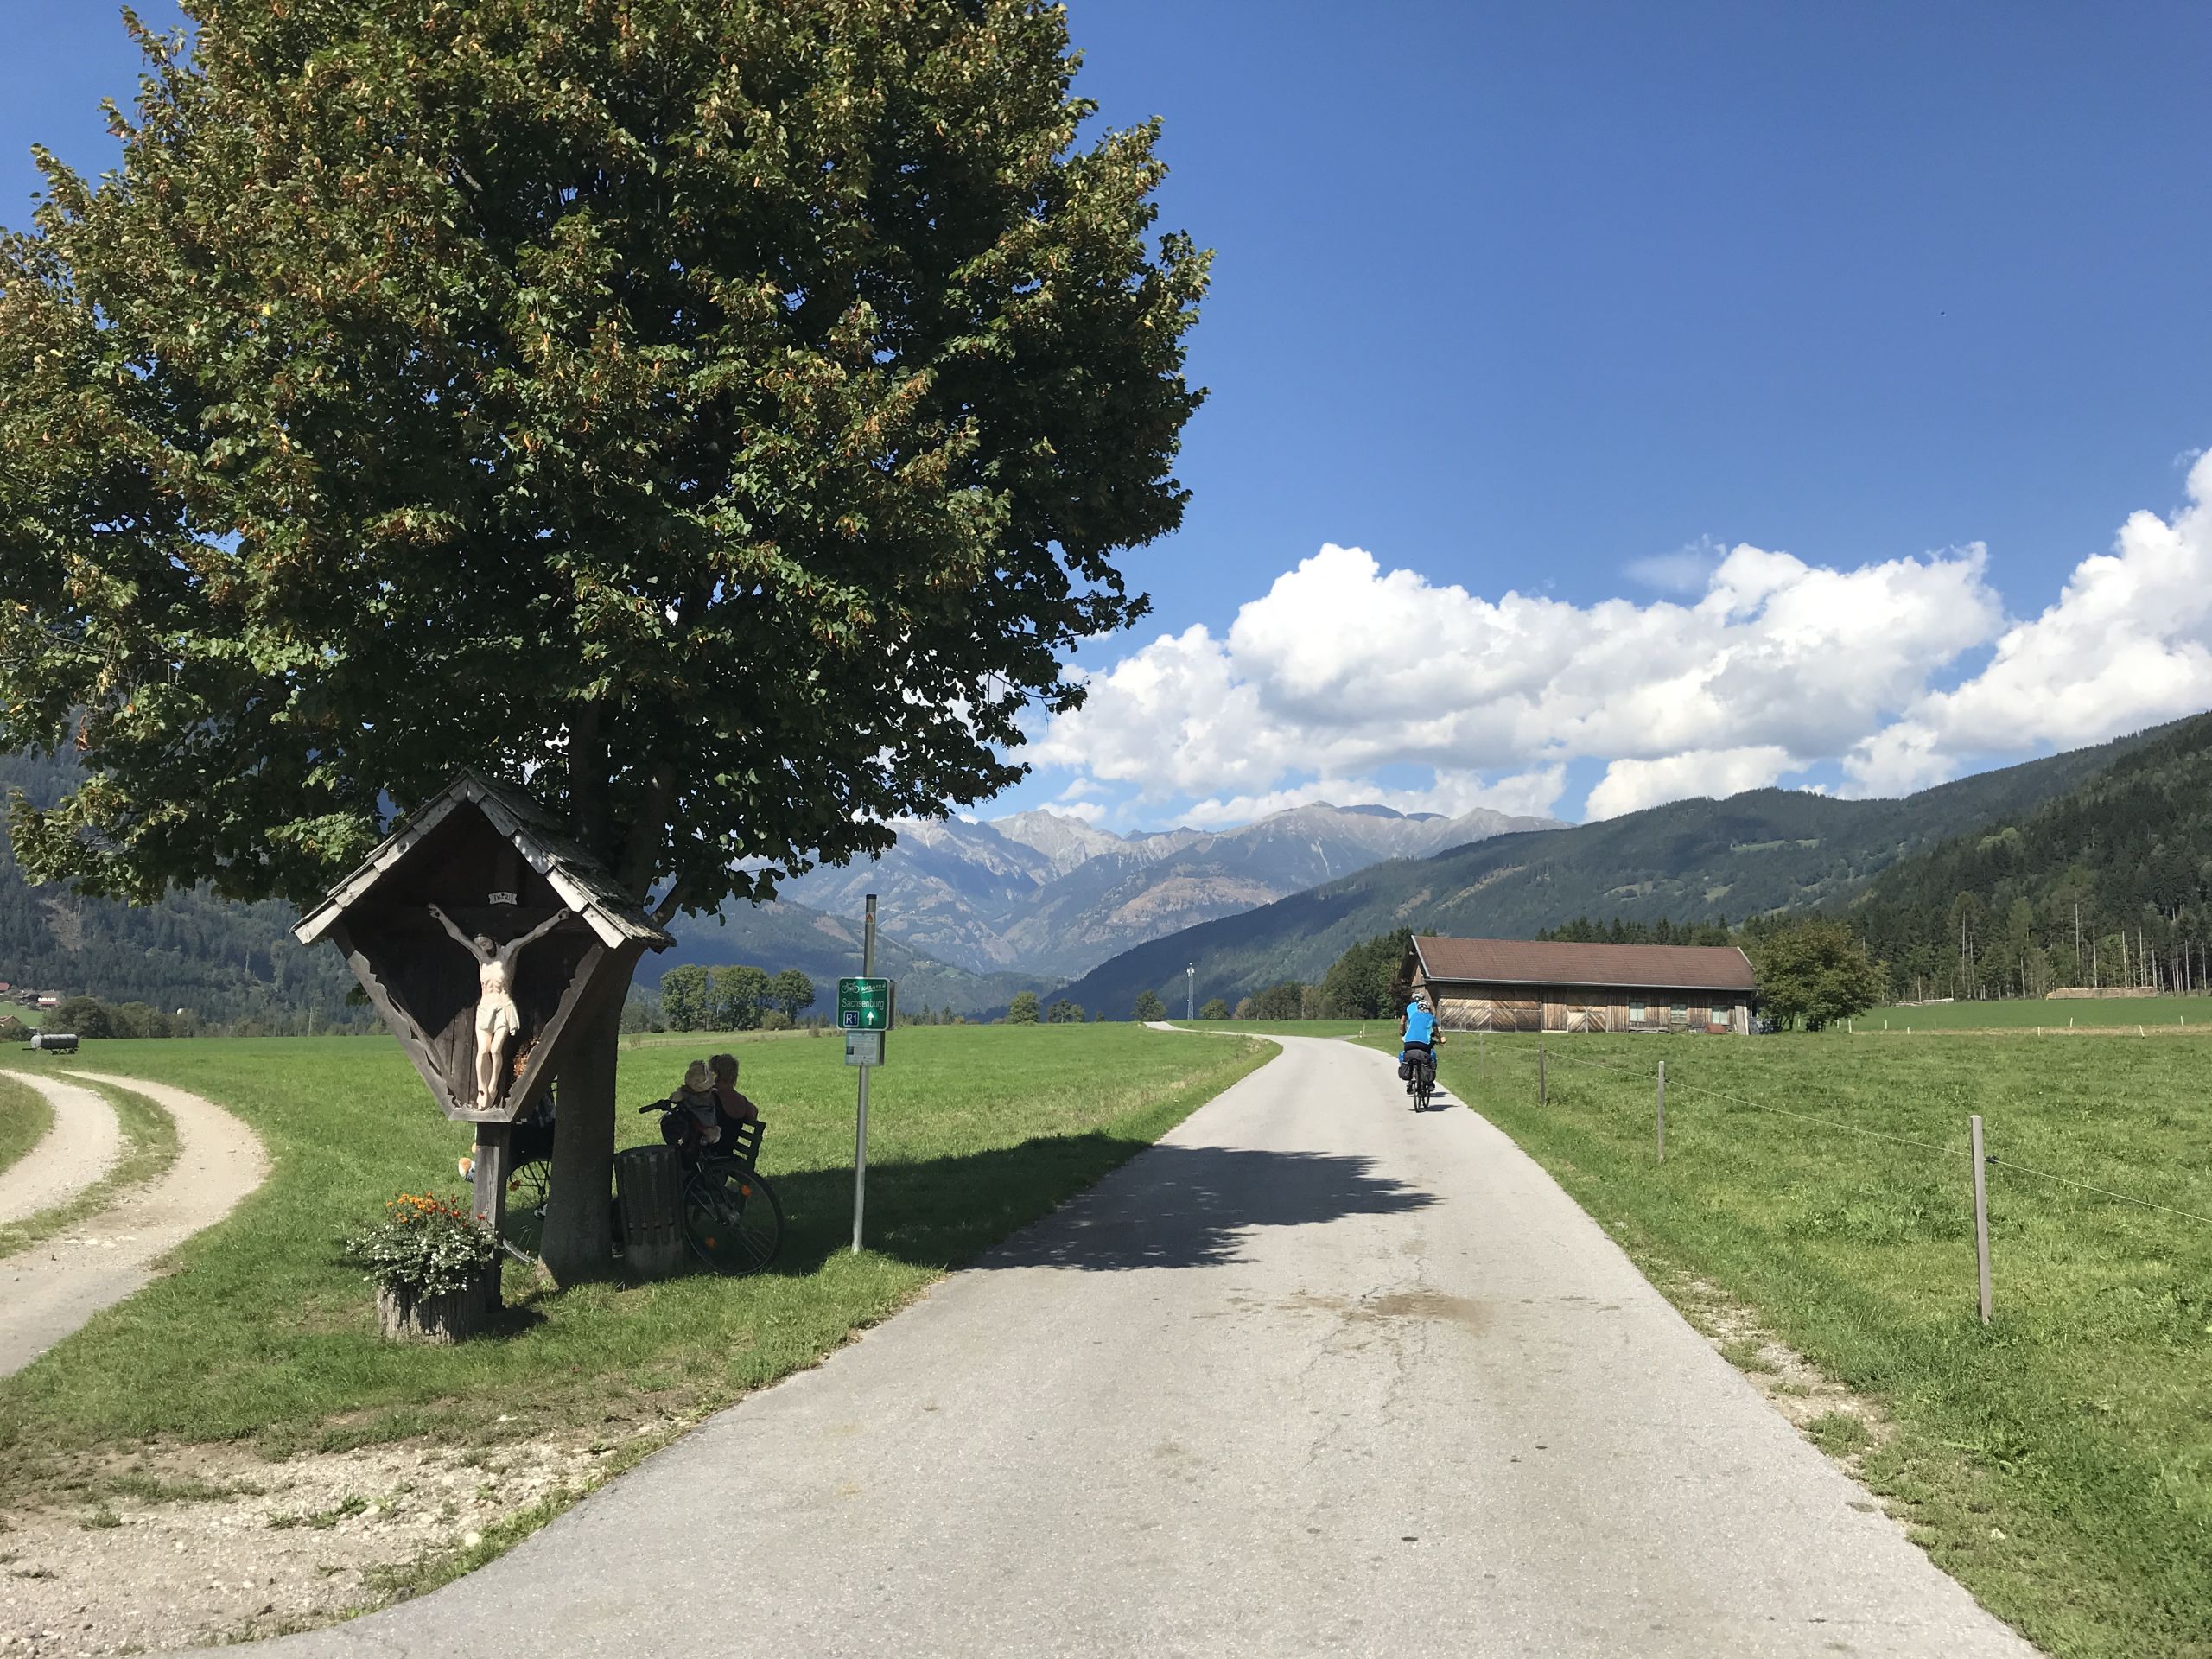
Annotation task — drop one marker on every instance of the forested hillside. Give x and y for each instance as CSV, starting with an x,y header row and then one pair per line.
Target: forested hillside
x,y
2111,883
1688,861
221,961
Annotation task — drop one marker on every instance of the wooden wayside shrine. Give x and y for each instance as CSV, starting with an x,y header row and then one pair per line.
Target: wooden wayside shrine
x,y
480,933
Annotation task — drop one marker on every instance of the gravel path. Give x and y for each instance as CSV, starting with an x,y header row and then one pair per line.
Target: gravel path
x,y
80,1147
1316,1375
50,1290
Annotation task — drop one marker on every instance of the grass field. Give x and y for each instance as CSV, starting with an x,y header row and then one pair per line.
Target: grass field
x,y
2026,1014
24,1118
2058,1462
972,1131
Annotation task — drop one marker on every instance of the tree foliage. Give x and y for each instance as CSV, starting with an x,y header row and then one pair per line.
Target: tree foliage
x,y
722,416
1814,973
684,997
85,1015
1215,1008
1358,983
1149,1007
792,992
1064,1013
735,995
1023,1010
1285,1000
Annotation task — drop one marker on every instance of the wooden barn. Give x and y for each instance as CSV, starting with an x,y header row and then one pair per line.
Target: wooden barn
x,y
1528,985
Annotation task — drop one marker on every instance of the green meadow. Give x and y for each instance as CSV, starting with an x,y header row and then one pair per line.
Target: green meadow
x,y
2058,1461
2024,1013
266,1334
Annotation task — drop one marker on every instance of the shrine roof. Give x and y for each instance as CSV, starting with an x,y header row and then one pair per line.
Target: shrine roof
x,y
580,879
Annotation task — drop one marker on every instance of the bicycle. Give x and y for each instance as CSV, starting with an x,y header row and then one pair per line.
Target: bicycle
x,y
733,1220
1421,1078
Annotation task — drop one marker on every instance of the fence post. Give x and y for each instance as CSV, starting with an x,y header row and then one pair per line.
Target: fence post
x,y
1663,1111
1980,1213
1541,1096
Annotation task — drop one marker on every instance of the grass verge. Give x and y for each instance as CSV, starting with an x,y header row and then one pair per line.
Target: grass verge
x,y
2058,1462
25,1119
974,1132
149,1149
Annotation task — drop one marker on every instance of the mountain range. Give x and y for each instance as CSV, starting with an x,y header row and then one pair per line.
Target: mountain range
x,y
1049,896
1764,851
218,961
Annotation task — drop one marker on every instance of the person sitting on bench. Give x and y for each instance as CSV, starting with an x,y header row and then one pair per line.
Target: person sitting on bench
x,y
731,1109
696,1125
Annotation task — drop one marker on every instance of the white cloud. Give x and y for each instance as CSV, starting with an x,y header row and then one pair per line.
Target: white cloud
x,y
1342,668
1344,671
1686,570
1631,785
2126,644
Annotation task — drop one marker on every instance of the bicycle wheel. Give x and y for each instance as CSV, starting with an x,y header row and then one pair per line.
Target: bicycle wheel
x,y
731,1218
528,1189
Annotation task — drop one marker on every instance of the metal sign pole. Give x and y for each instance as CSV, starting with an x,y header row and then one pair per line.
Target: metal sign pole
x,y
860,1127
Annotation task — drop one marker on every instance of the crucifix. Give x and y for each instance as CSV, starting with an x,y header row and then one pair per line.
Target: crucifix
x,y
498,1021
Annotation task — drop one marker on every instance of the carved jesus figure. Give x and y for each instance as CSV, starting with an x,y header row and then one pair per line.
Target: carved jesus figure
x,y
498,1021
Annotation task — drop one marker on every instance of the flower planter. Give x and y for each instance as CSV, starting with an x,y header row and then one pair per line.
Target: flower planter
x,y
455,1316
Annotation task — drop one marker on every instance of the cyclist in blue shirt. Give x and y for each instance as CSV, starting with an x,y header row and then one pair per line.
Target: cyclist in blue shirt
x,y
1417,1037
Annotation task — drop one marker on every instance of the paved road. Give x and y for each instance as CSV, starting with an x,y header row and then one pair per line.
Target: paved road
x,y
1314,1376
49,1291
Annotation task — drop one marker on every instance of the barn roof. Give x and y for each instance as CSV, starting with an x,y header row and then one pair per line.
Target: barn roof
x,y
583,886
1628,967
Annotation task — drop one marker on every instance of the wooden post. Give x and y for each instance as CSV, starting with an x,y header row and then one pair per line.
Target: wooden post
x,y
1663,1111
1541,1096
489,1175
1980,1214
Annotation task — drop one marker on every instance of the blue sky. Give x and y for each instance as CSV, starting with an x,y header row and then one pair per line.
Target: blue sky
x,y
1570,302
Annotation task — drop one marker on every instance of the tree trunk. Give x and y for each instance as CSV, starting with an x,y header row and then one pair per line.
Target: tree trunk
x,y
579,1238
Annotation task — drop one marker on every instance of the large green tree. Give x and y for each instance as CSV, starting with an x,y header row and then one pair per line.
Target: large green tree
x,y
721,417
792,992
734,994
684,997
1815,973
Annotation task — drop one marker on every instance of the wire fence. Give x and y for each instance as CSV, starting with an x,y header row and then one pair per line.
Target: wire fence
x,y
1995,1162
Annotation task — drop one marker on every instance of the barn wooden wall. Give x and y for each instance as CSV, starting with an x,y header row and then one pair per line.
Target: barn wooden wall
x,y
1499,1006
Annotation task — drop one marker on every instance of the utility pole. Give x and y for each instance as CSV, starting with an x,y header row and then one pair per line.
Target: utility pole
x,y
1190,991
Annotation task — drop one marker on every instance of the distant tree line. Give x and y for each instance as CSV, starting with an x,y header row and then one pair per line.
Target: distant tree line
x,y
1583,931
89,1017
733,997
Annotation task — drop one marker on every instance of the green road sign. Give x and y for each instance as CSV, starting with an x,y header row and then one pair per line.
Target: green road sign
x,y
864,1004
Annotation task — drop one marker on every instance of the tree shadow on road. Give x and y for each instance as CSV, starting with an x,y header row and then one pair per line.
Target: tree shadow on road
x,y
1179,1207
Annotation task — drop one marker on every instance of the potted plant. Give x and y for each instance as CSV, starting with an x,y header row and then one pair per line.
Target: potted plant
x,y
435,1270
